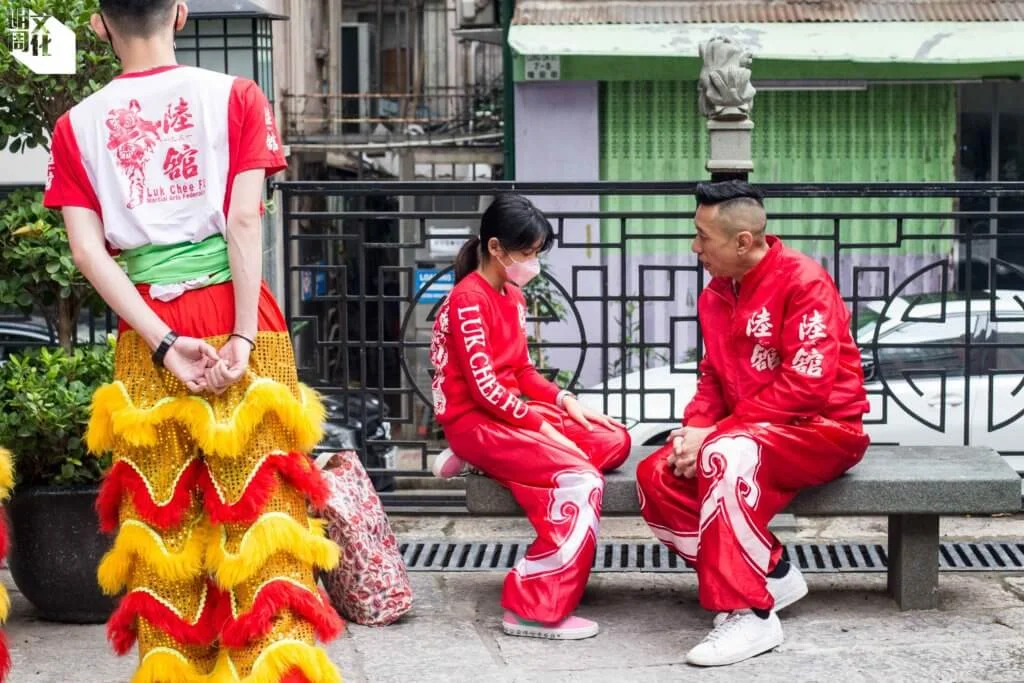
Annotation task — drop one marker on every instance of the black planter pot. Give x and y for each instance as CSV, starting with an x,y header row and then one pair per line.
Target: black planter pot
x,y
56,546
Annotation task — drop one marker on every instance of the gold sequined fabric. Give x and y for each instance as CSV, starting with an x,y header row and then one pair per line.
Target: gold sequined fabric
x,y
156,558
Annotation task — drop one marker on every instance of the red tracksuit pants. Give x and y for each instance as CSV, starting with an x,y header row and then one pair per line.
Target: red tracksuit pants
x,y
718,520
561,495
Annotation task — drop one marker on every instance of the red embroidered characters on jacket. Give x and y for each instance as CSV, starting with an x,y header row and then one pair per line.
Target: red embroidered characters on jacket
x,y
785,351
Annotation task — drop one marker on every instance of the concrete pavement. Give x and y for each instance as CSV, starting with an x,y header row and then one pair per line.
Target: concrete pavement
x,y
847,629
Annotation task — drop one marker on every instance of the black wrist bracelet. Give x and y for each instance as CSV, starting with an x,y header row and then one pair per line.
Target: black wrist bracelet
x,y
165,345
242,336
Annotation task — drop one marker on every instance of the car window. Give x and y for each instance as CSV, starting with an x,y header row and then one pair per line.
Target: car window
x,y
1009,332
17,341
941,356
11,344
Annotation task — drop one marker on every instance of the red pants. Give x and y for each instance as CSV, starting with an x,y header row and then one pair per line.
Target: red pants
x,y
718,520
561,494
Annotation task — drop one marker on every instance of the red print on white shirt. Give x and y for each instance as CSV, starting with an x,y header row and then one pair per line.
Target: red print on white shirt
x,y
181,163
134,138
178,118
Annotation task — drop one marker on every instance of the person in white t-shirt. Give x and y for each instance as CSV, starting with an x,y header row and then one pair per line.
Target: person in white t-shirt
x,y
209,426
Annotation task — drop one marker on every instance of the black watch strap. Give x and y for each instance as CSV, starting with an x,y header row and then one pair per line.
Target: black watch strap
x,y
165,345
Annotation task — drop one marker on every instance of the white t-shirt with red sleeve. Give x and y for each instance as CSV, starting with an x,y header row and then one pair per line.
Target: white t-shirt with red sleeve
x,y
155,153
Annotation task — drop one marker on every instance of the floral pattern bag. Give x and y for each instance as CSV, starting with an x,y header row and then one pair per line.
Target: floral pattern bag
x,y
370,585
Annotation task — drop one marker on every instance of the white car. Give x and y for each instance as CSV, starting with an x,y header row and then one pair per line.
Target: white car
x,y
918,393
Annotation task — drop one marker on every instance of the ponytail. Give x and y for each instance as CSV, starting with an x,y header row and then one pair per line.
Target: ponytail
x,y
468,258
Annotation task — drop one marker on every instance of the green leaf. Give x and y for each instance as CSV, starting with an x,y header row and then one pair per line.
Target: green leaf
x,y
44,410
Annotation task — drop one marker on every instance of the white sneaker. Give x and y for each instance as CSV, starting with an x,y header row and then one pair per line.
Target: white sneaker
x,y
740,636
786,590
447,465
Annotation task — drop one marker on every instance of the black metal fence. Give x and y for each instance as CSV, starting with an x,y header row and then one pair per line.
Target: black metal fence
x,y
929,271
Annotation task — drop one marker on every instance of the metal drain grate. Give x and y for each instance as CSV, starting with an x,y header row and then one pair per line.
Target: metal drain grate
x,y
447,556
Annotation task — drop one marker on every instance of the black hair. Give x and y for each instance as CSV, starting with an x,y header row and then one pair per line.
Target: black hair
x,y
137,18
710,194
515,222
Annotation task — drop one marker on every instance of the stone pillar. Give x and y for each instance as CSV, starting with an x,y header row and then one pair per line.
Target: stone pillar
x,y
726,98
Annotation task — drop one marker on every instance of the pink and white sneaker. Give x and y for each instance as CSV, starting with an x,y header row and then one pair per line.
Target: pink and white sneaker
x,y
447,465
570,628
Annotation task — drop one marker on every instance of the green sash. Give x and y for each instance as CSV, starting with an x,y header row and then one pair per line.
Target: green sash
x,y
176,263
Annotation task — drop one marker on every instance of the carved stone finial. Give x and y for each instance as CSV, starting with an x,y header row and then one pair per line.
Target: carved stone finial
x,y
725,90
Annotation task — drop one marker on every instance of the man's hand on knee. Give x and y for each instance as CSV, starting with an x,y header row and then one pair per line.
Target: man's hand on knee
x,y
686,444
685,466
693,440
678,462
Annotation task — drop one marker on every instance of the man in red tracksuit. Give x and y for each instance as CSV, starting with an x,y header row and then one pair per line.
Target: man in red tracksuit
x,y
778,408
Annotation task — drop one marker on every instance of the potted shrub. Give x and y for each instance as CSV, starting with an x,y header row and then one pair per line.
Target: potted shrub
x,y
45,394
56,544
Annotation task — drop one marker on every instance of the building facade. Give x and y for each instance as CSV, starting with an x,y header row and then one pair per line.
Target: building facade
x,y
855,91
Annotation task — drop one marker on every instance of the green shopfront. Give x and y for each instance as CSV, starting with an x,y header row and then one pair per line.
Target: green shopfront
x,y
854,102
865,102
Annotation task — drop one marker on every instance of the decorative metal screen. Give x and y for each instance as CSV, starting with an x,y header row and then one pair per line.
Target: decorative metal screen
x,y
368,262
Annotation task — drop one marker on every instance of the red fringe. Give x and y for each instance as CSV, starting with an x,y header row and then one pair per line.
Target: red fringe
x,y
4,538
123,478
272,599
294,468
295,676
122,628
5,658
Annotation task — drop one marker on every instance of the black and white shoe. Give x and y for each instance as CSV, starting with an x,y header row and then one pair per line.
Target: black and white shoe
x,y
741,635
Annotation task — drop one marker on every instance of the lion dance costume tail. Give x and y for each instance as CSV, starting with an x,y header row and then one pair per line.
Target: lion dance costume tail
x,y
215,548
6,484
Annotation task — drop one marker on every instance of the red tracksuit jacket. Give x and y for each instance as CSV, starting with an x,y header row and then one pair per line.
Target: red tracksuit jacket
x,y
481,362
779,351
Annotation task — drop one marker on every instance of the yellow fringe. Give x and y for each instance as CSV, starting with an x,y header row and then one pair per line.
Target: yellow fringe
x,y
278,659
6,473
137,539
5,604
114,414
165,665
272,533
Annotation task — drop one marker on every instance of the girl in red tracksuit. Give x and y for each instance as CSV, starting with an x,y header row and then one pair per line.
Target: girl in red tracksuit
x,y
550,452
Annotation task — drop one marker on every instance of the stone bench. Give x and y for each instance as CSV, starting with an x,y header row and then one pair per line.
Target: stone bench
x,y
912,486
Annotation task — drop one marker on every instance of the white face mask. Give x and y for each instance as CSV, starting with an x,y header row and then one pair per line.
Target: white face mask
x,y
521,272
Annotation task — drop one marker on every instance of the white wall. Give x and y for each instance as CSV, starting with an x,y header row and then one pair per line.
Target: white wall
x,y
24,167
557,133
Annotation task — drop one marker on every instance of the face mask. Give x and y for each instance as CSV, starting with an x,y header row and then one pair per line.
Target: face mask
x,y
522,272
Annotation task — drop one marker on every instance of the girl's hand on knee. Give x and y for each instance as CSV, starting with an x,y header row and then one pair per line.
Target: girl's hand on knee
x,y
585,416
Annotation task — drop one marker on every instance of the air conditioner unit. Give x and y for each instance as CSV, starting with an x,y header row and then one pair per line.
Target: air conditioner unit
x,y
358,74
477,13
